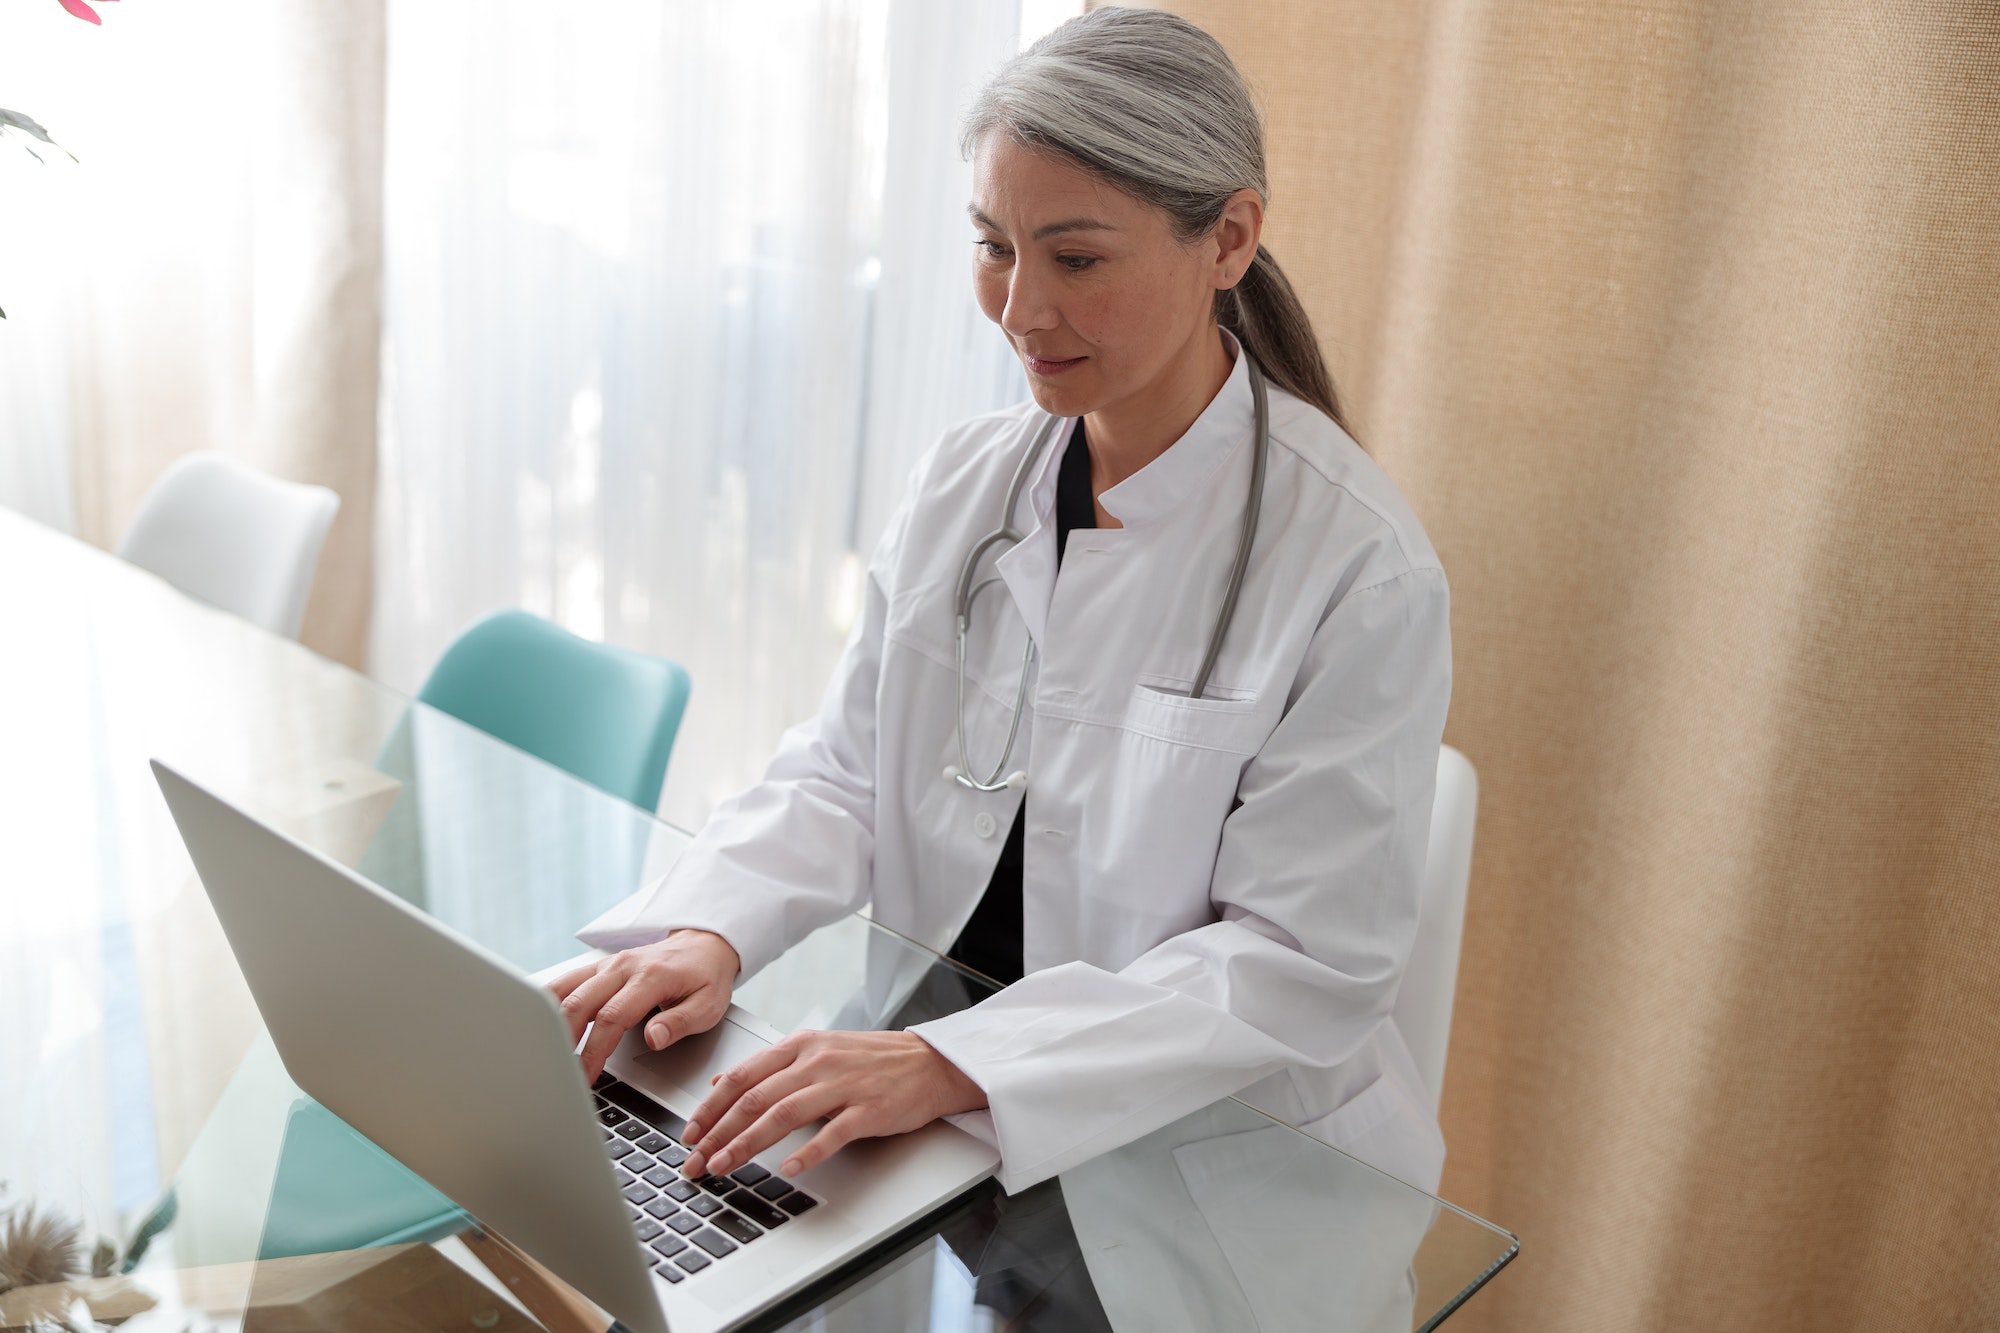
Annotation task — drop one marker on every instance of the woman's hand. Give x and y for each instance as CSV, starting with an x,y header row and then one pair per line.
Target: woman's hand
x,y
867,1084
687,976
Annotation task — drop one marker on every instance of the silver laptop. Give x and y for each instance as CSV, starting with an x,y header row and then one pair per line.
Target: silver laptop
x,y
463,1070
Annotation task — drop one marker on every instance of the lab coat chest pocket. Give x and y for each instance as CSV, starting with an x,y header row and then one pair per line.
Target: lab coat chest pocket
x,y
1225,719
1170,784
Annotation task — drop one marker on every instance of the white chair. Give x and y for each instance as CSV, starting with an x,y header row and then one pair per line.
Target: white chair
x,y
233,537
1423,1005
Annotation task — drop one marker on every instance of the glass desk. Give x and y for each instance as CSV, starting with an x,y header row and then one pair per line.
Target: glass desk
x,y
145,1107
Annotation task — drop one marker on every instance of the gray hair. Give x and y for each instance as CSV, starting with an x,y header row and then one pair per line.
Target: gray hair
x,y
1153,106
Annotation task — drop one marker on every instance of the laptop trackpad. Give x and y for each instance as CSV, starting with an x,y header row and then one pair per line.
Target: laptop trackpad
x,y
687,1065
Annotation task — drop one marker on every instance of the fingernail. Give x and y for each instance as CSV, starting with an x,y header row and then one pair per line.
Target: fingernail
x,y
792,1168
693,1134
720,1166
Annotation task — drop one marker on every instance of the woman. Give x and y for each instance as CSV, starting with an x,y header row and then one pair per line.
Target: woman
x,y
1190,896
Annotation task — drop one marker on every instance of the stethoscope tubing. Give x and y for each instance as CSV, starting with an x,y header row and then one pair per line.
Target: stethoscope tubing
x,y
966,593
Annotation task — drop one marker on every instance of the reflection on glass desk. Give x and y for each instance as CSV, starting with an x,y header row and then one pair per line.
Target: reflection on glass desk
x,y
146,1106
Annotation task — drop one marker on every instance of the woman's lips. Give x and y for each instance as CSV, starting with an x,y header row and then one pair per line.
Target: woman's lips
x,y
1041,367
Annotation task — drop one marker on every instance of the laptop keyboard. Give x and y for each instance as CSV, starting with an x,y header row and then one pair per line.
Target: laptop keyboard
x,y
686,1225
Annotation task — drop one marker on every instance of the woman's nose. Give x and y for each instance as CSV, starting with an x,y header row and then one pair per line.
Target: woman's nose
x,y
1028,309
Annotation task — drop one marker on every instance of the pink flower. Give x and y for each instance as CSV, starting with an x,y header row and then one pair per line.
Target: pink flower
x,y
81,10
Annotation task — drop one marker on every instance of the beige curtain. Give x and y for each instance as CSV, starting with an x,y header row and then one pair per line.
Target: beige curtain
x,y
231,170
1677,323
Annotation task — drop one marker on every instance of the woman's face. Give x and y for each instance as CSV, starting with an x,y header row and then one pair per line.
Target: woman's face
x,y
1119,292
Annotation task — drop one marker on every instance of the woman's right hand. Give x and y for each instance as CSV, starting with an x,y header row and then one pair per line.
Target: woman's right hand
x,y
688,977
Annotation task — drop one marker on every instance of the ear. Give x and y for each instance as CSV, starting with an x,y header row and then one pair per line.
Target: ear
x,y
1236,237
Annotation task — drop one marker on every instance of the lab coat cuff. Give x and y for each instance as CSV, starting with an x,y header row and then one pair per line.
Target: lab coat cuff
x,y
960,1038
666,905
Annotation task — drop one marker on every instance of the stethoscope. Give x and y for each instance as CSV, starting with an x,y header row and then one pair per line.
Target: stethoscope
x,y
960,772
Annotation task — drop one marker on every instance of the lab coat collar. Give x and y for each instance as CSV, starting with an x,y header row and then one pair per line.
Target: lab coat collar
x,y
1184,468
1188,466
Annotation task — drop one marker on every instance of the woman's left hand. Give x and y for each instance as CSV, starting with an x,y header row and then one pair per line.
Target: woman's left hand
x,y
866,1084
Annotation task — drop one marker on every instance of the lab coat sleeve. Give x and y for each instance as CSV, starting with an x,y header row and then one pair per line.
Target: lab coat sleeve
x,y
794,850
1316,886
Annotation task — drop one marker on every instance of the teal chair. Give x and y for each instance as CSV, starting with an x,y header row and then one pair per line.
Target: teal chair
x,y
607,714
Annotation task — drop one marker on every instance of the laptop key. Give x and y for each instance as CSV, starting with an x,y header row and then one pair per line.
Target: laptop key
x,y
639,1191
716,1184
669,1245
666,1269
714,1242
610,1115
798,1201
648,1110
735,1227
648,1229
655,1141
631,1129
749,1174
661,1176
681,1189
694,1261
683,1222
754,1208
705,1204
673,1154
773,1189
662,1207
620,1148
605,1078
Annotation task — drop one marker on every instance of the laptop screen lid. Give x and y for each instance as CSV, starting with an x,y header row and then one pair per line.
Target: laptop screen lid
x,y
436,1049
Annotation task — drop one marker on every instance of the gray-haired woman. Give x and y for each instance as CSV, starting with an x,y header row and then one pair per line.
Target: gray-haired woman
x,y
1209,875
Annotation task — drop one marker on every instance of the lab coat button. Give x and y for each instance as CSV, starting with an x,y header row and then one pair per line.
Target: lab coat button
x,y
983,824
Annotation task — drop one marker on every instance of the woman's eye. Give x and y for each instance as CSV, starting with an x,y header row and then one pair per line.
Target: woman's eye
x,y
1074,263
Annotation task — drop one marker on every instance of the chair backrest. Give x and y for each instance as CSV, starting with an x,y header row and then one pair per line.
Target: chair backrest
x,y
1423,1005
607,714
234,537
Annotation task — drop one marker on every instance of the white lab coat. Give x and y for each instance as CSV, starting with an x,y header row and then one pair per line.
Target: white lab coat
x,y
1220,894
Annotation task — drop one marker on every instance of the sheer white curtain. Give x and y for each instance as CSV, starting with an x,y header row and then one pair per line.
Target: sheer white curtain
x,y
205,275
674,297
